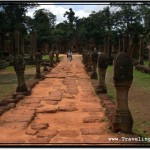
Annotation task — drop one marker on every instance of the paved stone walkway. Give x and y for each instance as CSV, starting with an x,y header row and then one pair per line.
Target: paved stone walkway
x,y
62,109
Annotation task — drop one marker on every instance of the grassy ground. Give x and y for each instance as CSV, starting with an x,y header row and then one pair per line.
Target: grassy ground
x,y
46,58
139,100
8,79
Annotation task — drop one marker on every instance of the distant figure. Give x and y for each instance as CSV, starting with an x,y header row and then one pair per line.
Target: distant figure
x,y
69,55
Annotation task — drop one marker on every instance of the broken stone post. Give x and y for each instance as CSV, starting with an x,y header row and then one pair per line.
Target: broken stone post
x,y
102,66
19,66
94,57
38,58
123,76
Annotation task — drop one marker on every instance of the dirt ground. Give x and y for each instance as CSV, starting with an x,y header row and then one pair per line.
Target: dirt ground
x,y
62,110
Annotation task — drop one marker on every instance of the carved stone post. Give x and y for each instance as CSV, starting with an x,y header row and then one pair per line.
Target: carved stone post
x,y
102,64
19,66
94,57
123,76
38,58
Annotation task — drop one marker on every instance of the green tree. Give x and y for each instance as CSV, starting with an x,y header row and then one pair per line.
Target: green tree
x,y
44,22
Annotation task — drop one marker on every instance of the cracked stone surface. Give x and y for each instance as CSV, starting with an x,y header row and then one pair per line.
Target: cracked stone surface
x,y
62,109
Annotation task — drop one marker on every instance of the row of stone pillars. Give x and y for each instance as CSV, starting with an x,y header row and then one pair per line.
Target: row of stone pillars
x,y
125,45
19,66
123,76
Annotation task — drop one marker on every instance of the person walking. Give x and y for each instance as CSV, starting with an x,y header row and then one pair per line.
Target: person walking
x,y
69,55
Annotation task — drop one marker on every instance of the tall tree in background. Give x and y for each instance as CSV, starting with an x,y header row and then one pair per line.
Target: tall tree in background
x,y
44,22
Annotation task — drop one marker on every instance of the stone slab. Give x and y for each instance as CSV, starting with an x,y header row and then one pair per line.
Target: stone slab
x,y
68,133
92,131
93,119
49,133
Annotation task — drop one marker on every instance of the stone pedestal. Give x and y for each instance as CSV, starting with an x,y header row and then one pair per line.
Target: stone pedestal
x,y
38,58
94,57
123,76
102,66
19,66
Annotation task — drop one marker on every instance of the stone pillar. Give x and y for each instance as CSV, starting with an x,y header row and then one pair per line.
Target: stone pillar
x,y
19,66
38,58
141,52
94,57
123,76
102,66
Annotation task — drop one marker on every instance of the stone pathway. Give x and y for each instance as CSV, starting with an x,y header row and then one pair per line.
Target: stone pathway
x,y
62,109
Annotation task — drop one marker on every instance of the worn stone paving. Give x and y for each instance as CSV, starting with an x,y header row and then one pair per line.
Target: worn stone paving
x,y
62,109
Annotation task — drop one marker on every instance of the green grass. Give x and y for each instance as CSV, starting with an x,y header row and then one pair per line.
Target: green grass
x,y
109,83
8,80
46,58
141,79
146,62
